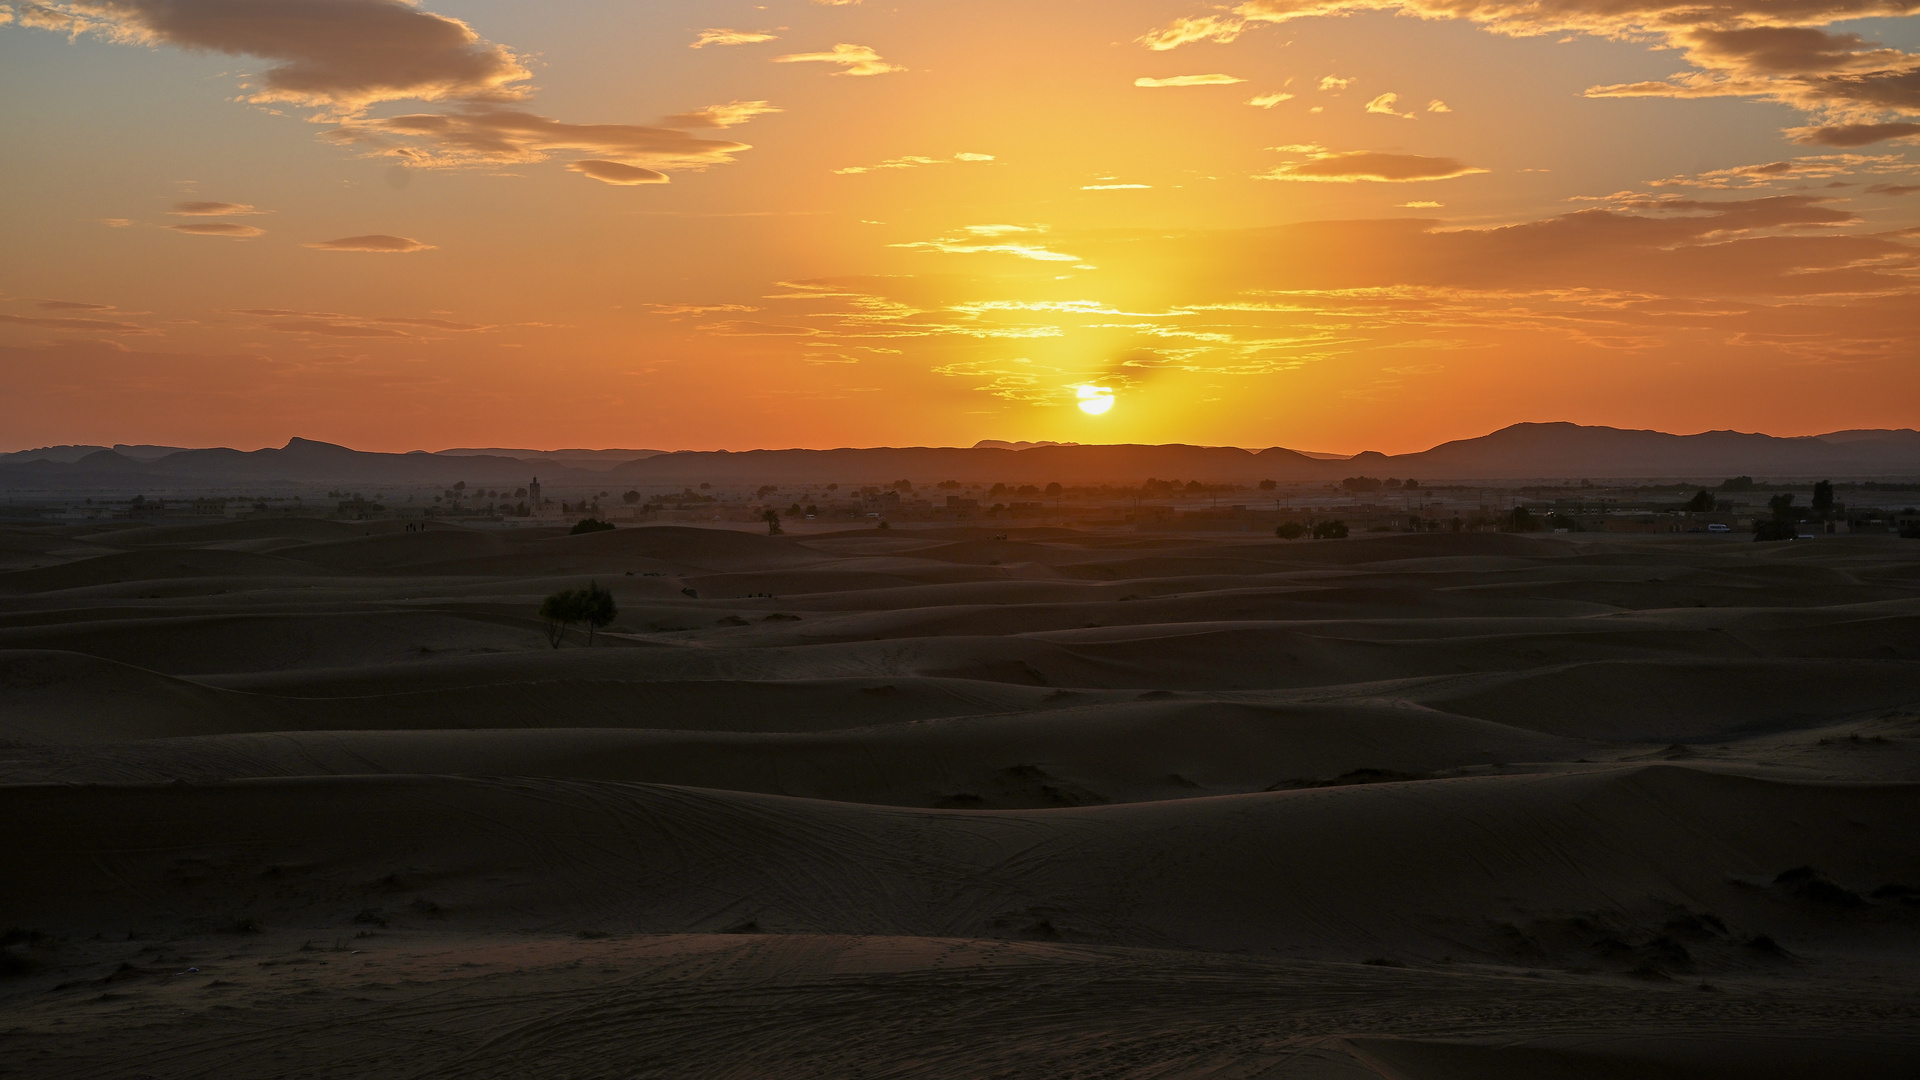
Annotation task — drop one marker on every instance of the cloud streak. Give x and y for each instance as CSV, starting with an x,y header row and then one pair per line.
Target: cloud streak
x,y
858,60
612,172
991,240
218,228
915,161
1358,165
722,35
85,325
343,57
732,114
497,136
213,209
1767,49
376,242
1215,79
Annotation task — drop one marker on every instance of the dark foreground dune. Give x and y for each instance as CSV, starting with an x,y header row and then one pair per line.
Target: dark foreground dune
x,y
313,799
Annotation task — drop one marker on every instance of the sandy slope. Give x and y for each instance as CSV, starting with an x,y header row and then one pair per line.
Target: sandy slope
x,y
939,804
1423,870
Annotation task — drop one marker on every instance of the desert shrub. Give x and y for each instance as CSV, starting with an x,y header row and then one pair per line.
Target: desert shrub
x,y
1330,530
592,605
589,525
1290,530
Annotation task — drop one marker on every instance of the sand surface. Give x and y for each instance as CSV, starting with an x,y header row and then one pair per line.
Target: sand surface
x,y
303,798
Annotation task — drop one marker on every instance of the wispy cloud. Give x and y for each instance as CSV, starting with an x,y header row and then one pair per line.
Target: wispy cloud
x,y
379,243
722,35
916,161
1847,136
342,57
1814,167
218,228
213,209
1355,165
1736,48
853,60
613,172
499,136
1189,29
1215,79
1386,104
83,325
731,114
334,324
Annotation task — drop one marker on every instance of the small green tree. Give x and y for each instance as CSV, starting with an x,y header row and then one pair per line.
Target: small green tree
x,y
597,609
1783,508
772,518
561,610
592,605
1330,530
1290,530
1823,499
1700,503
589,525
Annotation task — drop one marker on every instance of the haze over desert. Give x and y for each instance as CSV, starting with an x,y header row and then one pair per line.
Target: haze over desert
x,y
959,540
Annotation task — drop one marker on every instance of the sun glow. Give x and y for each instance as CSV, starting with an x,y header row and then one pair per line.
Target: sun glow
x,y
1095,400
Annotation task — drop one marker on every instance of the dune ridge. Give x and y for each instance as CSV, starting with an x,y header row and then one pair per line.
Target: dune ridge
x,y
1477,805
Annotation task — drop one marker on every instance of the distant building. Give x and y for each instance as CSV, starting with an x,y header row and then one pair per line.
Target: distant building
x,y
533,492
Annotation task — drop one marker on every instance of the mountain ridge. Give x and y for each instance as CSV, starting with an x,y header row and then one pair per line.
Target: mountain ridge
x,y
1524,451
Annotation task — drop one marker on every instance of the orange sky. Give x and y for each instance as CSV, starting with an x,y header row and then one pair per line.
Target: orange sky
x,y
1325,225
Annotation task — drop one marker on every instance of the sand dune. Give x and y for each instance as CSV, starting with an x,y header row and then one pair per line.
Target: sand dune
x,y
1686,701
1129,751
1543,869
1060,804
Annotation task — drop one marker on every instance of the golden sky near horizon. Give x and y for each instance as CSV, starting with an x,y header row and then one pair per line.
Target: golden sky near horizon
x,y
1333,225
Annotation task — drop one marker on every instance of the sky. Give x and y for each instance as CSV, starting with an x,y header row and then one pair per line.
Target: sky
x,y
1332,225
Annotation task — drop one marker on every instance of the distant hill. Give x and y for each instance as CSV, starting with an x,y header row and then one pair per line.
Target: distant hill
x,y
590,460
1571,451
72,453
1523,451
1551,451
301,461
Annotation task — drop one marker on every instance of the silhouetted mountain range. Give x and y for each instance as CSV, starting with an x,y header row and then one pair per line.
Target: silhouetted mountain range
x,y
1519,452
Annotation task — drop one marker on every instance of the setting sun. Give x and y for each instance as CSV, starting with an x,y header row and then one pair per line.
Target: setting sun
x,y
1095,400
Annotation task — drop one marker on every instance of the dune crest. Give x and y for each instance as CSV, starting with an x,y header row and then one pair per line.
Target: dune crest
x,y
1399,806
